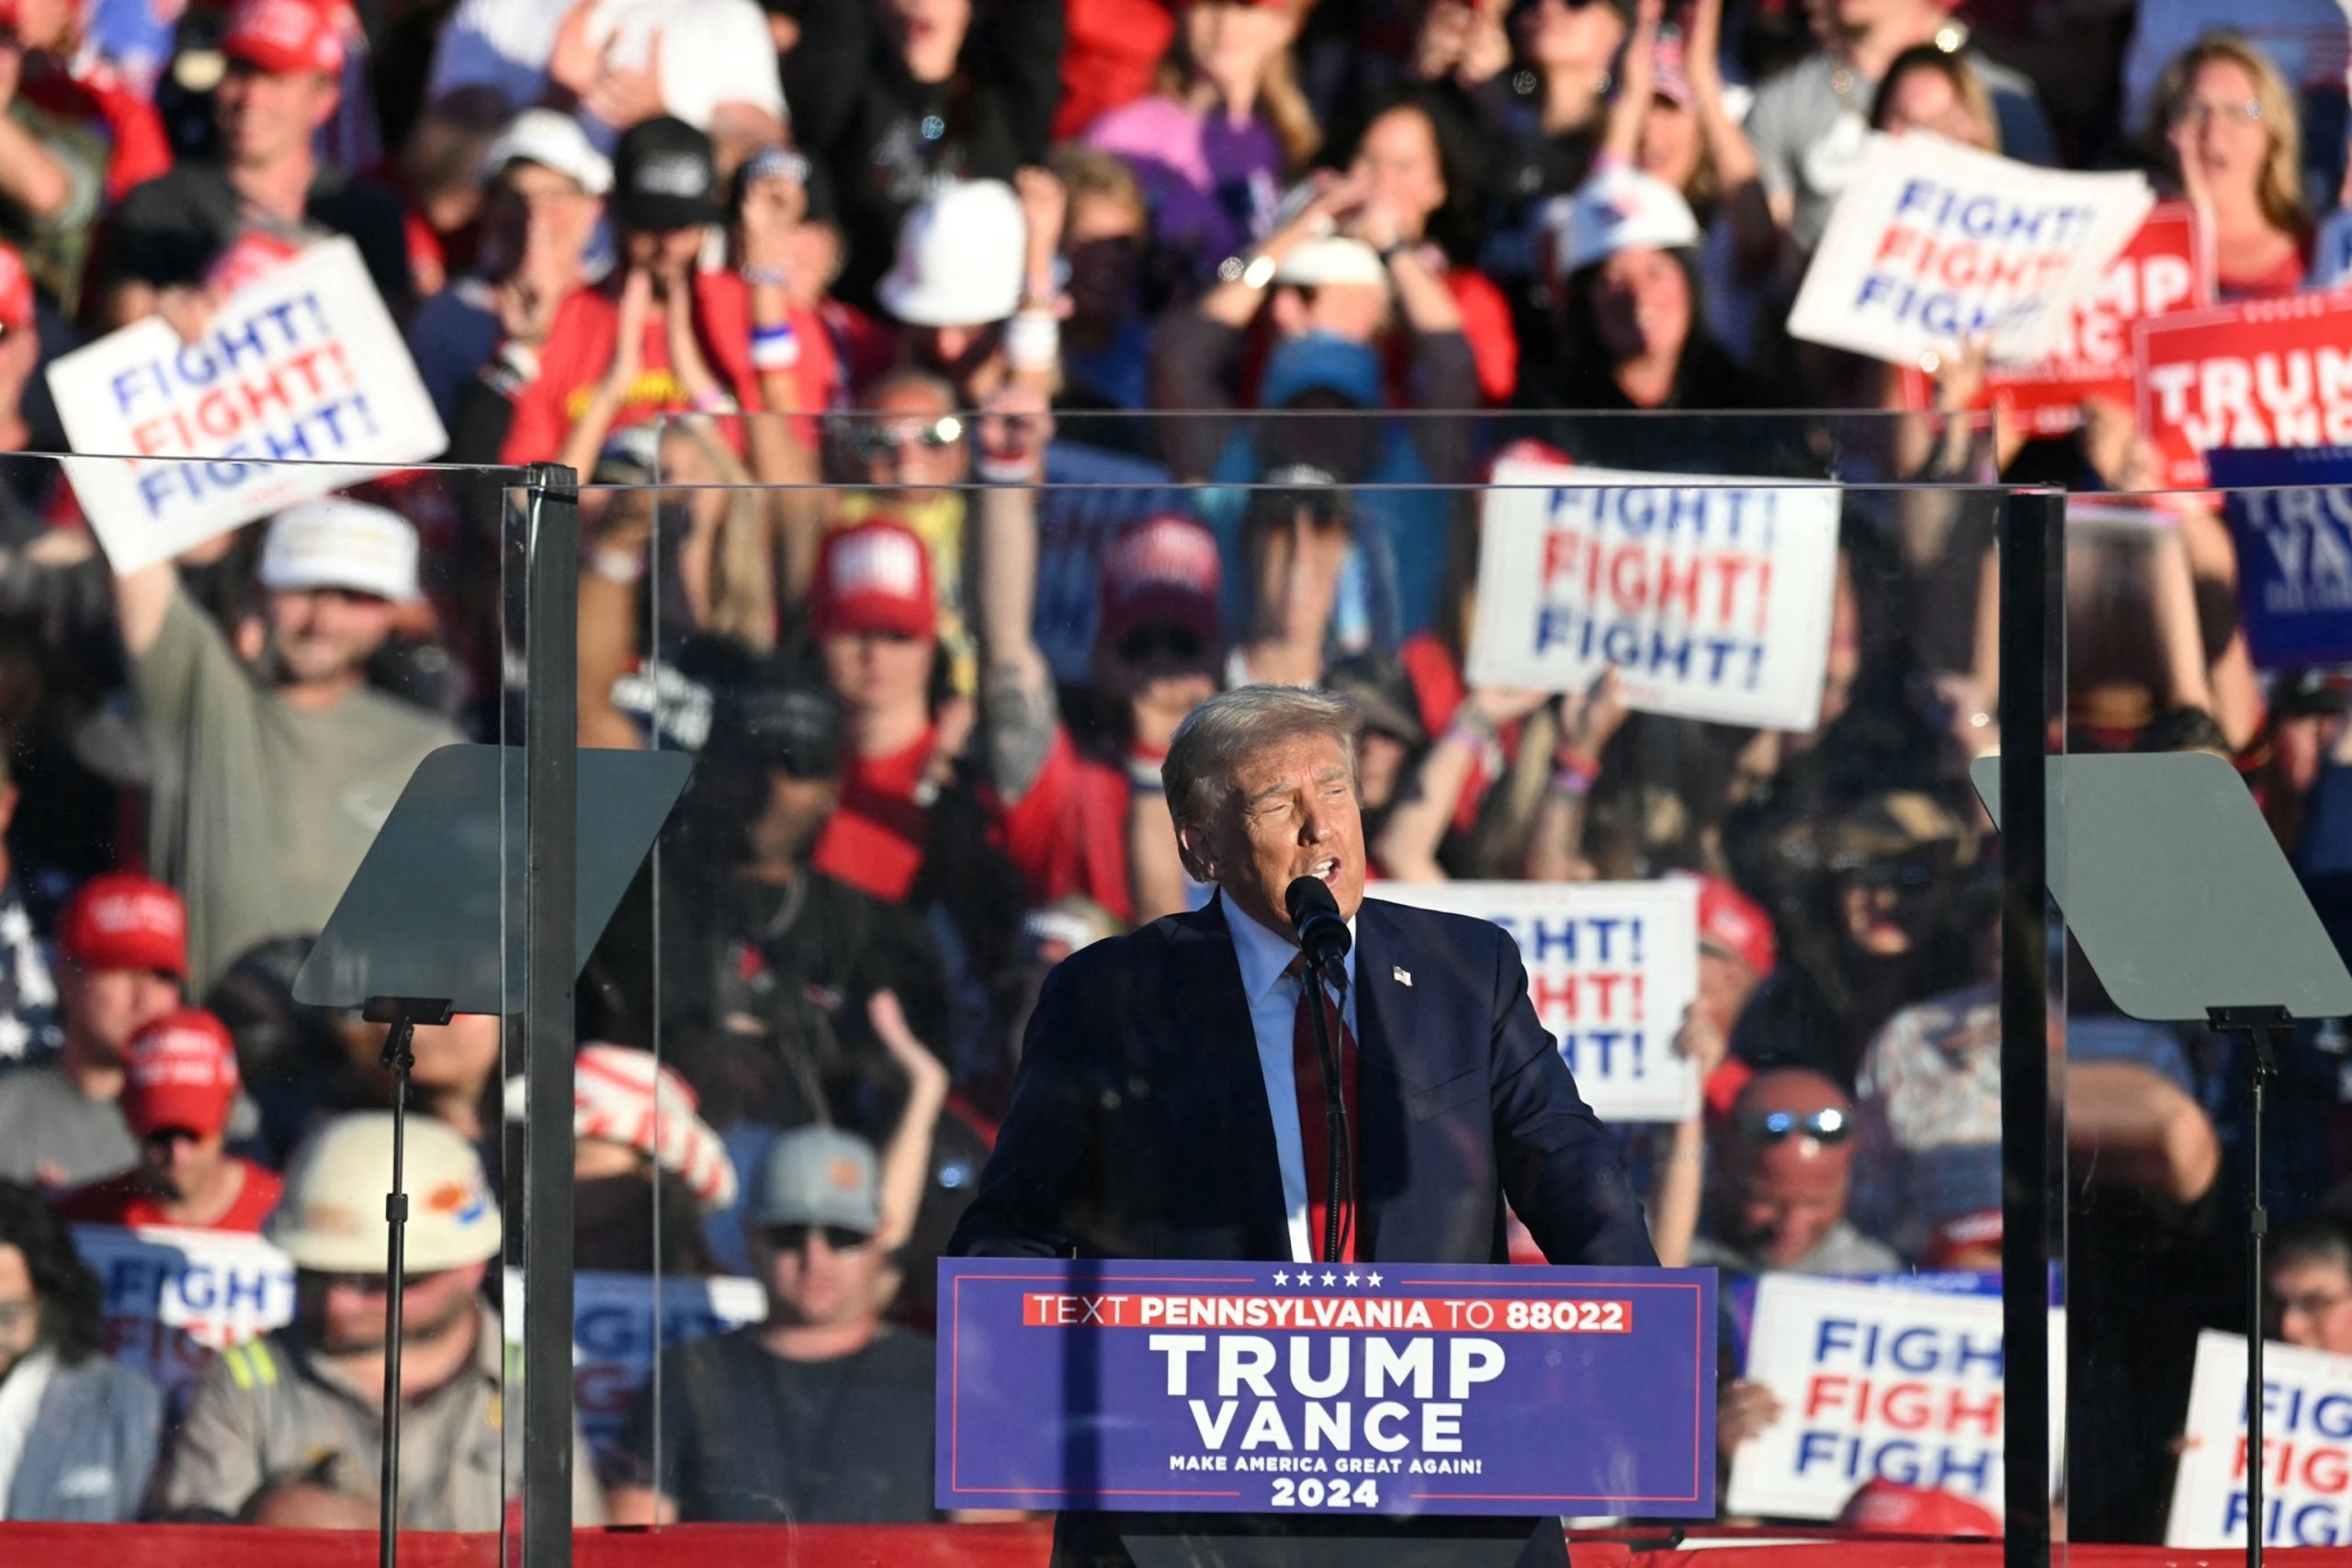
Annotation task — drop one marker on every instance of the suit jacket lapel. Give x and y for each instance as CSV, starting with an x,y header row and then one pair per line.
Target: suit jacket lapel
x,y
1385,1015
1223,1044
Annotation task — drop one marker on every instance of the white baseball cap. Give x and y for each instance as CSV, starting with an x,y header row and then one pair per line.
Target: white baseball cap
x,y
1619,208
553,141
331,1219
1330,259
959,257
339,542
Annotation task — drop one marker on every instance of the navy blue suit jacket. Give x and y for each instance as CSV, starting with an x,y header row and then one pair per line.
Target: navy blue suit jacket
x,y
1139,1126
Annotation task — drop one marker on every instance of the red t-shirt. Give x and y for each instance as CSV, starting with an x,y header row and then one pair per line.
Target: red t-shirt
x,y
876,837
579,351
1068,834
2285,279
121,1200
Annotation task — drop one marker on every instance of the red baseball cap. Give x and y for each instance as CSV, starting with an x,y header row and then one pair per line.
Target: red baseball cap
x,y
285,38
1733,921
1162,571
179,1072
122,921
1895,1509
16,292
873,577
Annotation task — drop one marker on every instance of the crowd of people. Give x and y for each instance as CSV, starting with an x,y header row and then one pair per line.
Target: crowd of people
x,y
827,300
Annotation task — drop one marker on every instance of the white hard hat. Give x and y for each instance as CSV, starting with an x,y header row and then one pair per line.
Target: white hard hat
x,y
1332,259
959,257
331,1218
552,140
1619,208
339,542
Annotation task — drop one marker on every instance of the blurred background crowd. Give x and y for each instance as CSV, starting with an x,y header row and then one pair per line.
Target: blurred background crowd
x,y
832,295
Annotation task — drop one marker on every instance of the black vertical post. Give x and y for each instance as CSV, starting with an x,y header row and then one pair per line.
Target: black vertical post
x,y
2033,562
550,731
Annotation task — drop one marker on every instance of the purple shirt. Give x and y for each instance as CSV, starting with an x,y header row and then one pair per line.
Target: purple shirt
x,y
1210,183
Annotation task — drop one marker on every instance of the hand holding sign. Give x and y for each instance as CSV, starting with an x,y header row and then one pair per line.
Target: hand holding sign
x,y
298,385
1710,599
1935,243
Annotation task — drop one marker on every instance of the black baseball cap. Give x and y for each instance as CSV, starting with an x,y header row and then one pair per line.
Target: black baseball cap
x,y
1383,694
664,177
782,716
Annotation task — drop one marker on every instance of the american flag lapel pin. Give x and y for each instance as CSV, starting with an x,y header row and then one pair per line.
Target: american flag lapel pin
x,y
1401,975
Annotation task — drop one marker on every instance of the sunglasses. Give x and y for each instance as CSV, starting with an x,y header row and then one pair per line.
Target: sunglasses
x,y
1903,876
877,442
794,1239
1828,1125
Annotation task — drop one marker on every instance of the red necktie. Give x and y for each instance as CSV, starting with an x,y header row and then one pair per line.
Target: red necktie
x,y
1306,1072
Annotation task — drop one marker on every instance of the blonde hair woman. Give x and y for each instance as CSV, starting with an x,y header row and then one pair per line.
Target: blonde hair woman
x,y
1226,127
2224,116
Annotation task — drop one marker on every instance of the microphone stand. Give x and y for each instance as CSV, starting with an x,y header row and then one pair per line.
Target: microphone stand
x,y
1339,1163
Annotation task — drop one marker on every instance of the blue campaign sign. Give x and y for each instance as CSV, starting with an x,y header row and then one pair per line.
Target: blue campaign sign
x,y
1393,1388
2290,513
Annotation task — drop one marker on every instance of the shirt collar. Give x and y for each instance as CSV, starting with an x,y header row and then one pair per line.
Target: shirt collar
x,y
1265,952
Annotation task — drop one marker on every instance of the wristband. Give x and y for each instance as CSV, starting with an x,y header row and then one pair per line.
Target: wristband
x,y
1032,341
516,367
1573,776
618,565
774,348
999,470
766,277
1470,739
1143,768
1471,729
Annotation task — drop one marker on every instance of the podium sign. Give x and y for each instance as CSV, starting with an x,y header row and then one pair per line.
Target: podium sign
x,y
1335,1388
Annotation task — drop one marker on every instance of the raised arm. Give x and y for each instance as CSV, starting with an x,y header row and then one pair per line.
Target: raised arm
x,y
1018,714
1759,240
142,600
1408,840
906,1158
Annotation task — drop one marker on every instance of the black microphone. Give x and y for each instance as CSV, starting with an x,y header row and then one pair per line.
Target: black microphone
x,y
1322,934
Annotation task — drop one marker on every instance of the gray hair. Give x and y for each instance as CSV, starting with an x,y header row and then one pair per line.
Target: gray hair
x,y
1216,737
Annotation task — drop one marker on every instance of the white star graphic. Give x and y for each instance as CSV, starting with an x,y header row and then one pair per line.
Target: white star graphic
x,y
1372,1279
1355,1278
1281,1278
1305,1278
1329,1278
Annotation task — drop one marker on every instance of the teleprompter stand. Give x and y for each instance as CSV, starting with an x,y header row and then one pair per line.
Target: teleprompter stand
x,y
404,1014
432,926
2179,896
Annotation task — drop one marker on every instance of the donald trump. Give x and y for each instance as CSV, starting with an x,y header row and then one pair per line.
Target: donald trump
x,y
1170,1101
